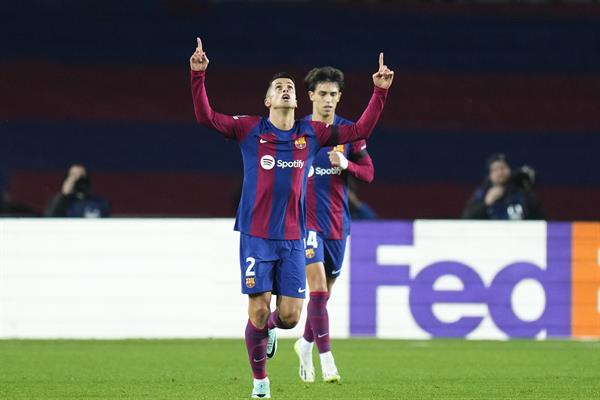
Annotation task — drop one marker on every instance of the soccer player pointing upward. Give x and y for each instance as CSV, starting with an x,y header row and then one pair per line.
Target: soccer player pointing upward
x,y
277,153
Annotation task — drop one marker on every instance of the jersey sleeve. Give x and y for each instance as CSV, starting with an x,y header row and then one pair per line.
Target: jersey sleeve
x,y
358,150
331,135
360,164
232,127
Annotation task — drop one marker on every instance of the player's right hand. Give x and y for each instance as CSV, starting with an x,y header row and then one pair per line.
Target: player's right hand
x,y
337,159
199,60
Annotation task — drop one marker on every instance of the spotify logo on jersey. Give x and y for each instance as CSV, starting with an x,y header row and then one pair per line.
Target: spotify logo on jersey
x,y
267,162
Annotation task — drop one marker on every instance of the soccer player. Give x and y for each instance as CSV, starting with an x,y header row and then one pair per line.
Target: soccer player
x,y
271,217
328,219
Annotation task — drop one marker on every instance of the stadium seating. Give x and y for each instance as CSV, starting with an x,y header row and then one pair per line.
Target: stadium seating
x,y
109,87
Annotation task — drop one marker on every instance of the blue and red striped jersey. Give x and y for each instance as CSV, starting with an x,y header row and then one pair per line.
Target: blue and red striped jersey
x,y
327,209
276,162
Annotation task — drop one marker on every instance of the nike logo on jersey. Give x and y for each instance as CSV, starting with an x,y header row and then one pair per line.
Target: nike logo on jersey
x,y
262,141
300,290
323,335
337,271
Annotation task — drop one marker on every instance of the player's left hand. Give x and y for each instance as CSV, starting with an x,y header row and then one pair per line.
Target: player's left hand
x,y
199,60
384,76
338,159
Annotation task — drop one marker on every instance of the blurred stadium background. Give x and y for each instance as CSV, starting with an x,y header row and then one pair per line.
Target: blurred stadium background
x,y
106,84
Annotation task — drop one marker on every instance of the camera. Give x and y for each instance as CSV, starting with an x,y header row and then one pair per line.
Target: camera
x,y
523,177
82,186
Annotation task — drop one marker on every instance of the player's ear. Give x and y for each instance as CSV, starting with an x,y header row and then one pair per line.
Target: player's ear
x,y
311,95
339,95
268,97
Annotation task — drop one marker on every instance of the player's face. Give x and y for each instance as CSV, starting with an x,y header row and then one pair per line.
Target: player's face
x,y
325,98
281,94
499,172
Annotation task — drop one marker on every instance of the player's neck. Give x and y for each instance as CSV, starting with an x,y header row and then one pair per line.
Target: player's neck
x,y
321,118
282,118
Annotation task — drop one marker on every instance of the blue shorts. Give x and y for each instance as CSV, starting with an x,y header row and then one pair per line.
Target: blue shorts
x,y
275,266
328,251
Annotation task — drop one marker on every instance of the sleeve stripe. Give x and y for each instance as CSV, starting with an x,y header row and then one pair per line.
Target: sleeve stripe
x,y
335,135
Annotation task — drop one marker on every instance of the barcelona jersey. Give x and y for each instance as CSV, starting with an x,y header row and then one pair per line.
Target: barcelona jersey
x,y
327,208
277,163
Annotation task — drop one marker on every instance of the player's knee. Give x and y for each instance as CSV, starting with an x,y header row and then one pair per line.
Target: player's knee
x,y
290,317
318,286
315,275
259,314
317,283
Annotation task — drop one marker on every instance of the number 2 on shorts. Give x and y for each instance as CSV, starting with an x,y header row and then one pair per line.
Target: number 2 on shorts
x,y
250,270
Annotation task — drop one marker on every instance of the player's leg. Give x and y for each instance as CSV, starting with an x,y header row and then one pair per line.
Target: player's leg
x,y
334,256
256,341
287,313
317,316
272,330
256,263
290,280
316,278
315,274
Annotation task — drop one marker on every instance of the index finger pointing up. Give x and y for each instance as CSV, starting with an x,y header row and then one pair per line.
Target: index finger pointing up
x,y
380,60
199,43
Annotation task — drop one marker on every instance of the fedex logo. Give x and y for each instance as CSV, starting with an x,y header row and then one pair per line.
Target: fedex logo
x,y
480,280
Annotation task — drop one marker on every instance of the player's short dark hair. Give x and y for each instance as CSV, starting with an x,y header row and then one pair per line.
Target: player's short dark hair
x,y
280,75
323,74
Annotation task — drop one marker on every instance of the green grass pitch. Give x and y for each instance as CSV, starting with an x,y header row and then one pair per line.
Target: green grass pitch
x,y
370,369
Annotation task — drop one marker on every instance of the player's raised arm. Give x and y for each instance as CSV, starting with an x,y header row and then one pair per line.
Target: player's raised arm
x,y
333,135
228,126
360,164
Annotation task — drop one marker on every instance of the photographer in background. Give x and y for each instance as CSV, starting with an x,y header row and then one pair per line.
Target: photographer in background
x,y
76,198
504,195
